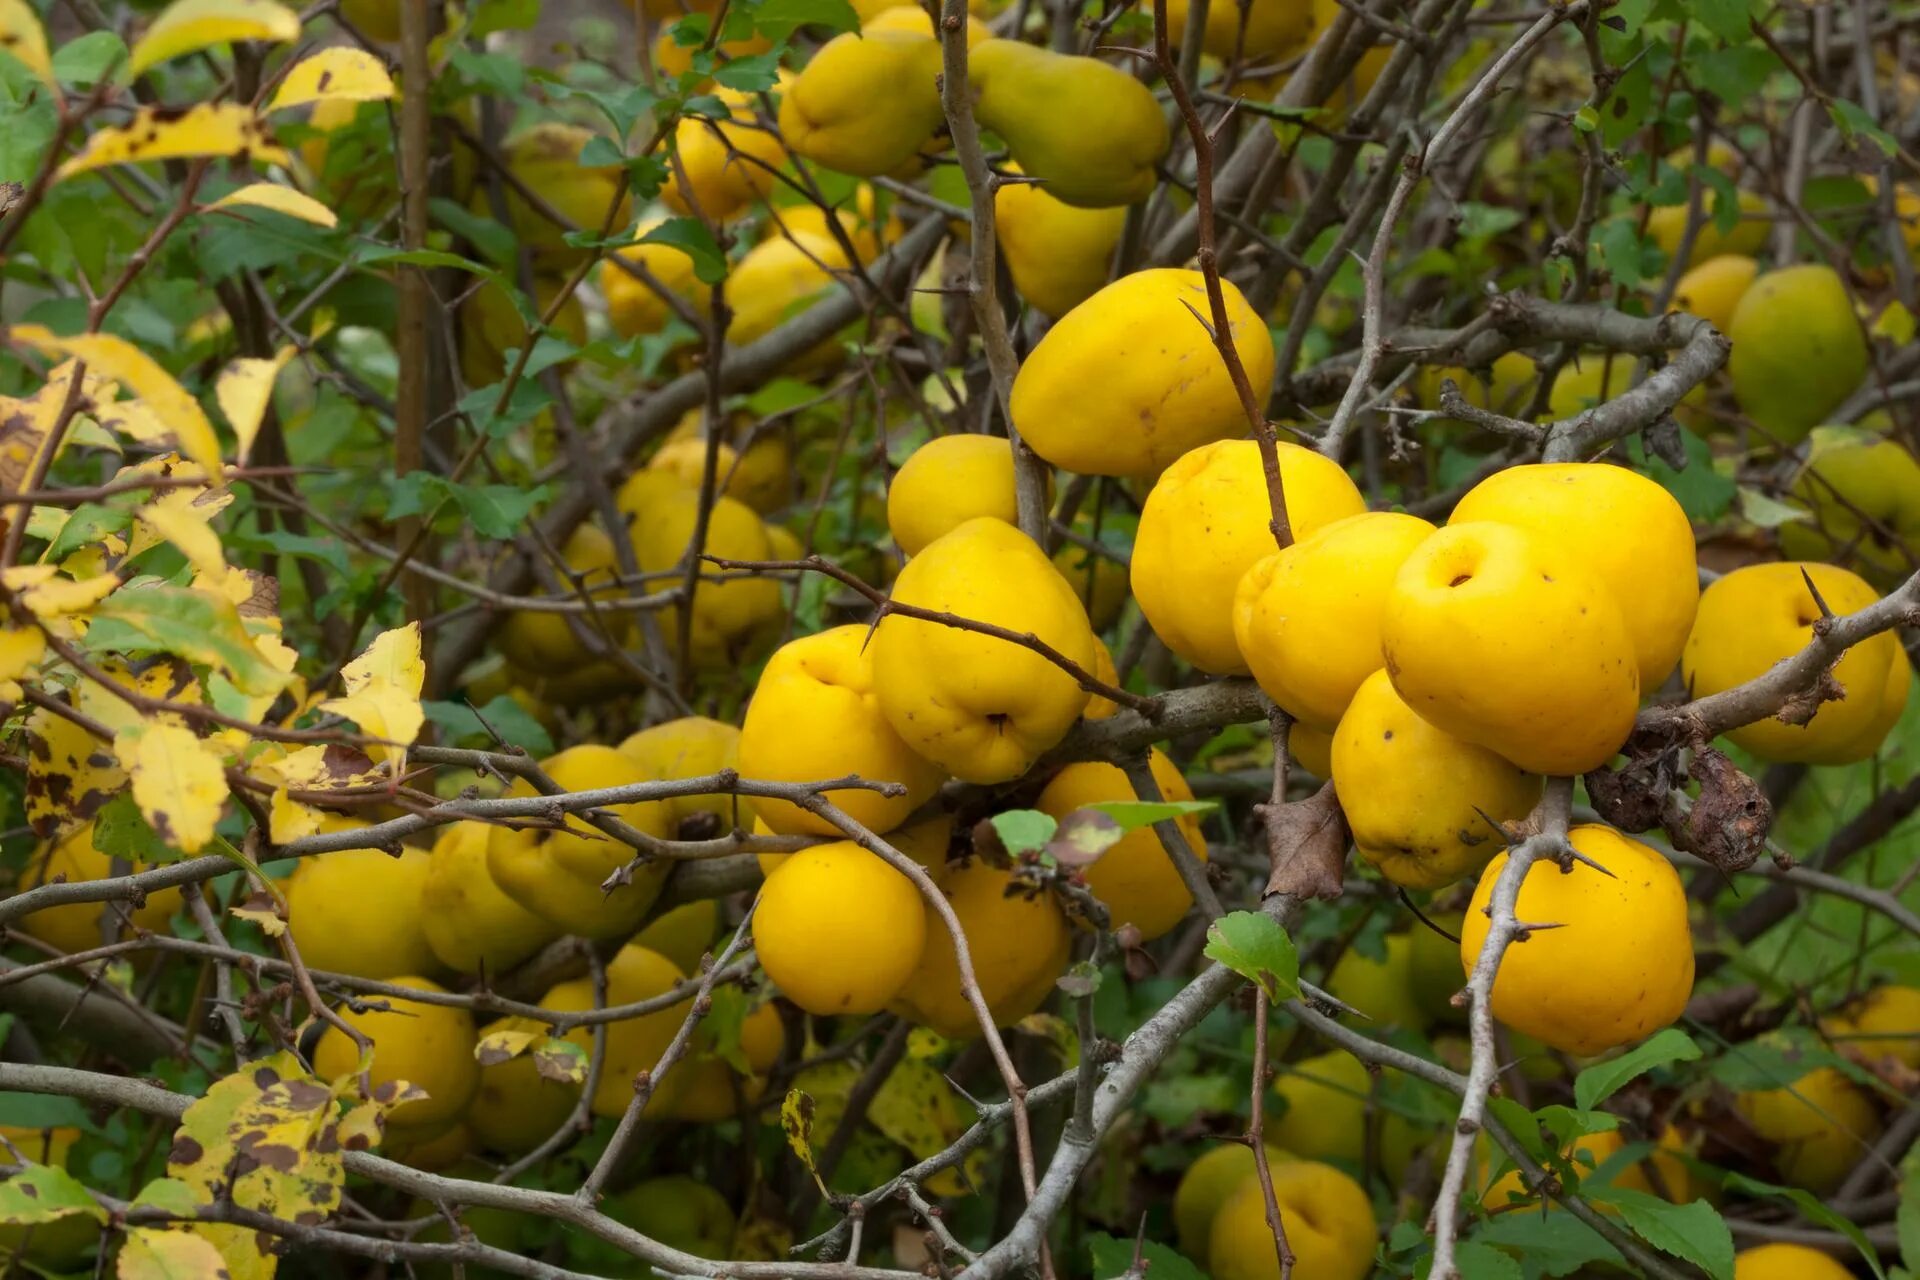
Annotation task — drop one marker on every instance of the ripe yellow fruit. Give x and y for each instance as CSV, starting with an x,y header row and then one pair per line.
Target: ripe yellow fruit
x,y
1206,1186
948,481
838,930
1129,380
76,926
634,307
1786,1262
1509,1190
1307,619
542,642
1019,945
429,1046
1329,1221
1327,1112
777,280
827,114
1798,349
683,934
1504,640
703,1088
722,167
558,874
690,747
814,716
470,922
1821,1126
1863,495
1714,288
857,217
678,1211
911,19
756,468
1758,614
1667,226
925,841
546,158
1380,988
1884,1023
1039,101
1136,878
1274,29
358,911
1059,255
515,1108
1625,529
491,326
1206,523
1099,708
1435,964
1618,967
1311,749
1415,795
982,707
726,612
633,1044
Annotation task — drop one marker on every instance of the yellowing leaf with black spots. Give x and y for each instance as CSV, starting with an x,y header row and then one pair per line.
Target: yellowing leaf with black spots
x,y
798,1112
187,26
383,688
165,678
918,1109
200,626
263,909
245,388
25,424
154,1254
334,75
70,773
271,195
22,36
255,596
561,1061
42,1193
211,129
513,1037
137,372
178,782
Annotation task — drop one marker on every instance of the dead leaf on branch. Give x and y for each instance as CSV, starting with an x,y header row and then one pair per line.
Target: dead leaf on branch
x,y
1728,822
1307,842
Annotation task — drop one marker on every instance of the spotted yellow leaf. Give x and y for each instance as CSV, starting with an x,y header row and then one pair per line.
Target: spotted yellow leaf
x,y
506,1040
137,372
187,26
383,688
271,195
263,909
245,388
340,74
210,129
22,36
25,425
70,773
165,677
178,782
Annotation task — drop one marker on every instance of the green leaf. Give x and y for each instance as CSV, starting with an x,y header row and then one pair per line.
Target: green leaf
x,y
199,626
1024,830
1815,1210
691,237
1258,949
39,1111
45,1193
1113,1256
1852,119
1601,1081
86,60
1769,513
120,830
490,16
1134,814
1483,1262
754,74
498,510
514,723
1701,490
1734,73
169,1194
1557,1244
777,19
89,523
1728,19
1691,1232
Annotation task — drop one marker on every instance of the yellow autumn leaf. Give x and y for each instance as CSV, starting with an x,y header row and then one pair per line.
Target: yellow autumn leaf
x,y
164,677
187,26
21,649
48,593
383,687
340,74
209,129
70,773
271,195
289,820
506,1040
22,36
177,523
153,1254
245,388
178,782
25,423
137,372
262,909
